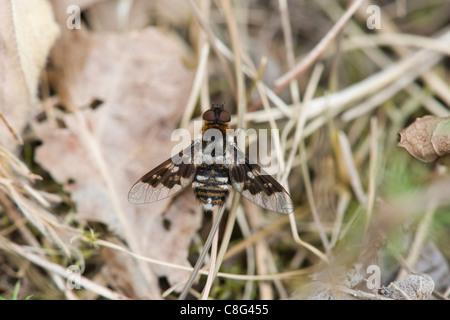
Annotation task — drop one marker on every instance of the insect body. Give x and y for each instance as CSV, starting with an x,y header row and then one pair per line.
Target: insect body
x,y
213,165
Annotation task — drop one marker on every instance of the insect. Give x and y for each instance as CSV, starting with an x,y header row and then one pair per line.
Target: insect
x,y
213,165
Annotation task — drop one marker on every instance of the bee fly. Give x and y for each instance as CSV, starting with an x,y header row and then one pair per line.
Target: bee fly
x,y
213,168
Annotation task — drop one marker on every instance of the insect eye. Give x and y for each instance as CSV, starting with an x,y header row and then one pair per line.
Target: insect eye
x,y
209,115
224,116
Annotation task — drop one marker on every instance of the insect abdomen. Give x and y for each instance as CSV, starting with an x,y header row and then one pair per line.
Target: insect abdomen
x,y
211,185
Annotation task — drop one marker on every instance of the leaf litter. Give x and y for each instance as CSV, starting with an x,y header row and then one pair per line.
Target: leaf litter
x,y
27,32
100,152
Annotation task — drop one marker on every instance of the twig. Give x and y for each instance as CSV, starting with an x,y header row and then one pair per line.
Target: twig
x,y
13,132
196,86
273,97
371,190
205,100
250,250
57,269
210,35
337,102
201,258
236,47
297,138
351,168
419,239
318,50
212,265
311,201
383,95
361,294
255,237
290,58
243,277
301,119
381,59
344,200
19,222
262,255
436,84
33,215
392,39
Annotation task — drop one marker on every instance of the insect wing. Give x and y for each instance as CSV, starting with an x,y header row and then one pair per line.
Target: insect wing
x,y
170,177
256,185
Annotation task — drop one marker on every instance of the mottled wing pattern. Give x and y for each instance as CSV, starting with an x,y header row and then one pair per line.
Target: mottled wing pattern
x,y
256,185
170,177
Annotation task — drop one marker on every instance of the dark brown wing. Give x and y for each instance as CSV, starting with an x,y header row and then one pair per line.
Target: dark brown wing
x,y
170,177
256,185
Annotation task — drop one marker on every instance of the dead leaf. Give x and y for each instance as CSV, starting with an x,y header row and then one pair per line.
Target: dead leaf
x,y
427,138
414,287
100,153
27,32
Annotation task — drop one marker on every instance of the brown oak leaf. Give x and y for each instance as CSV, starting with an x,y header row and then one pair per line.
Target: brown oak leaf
x,y
427,138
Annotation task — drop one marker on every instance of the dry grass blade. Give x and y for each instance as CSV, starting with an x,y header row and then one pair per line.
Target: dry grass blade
x,y
62,272
336,102
196,87
16,136
352,171
210,35
202,256
315,54
30,203
407,40
418,242
236,46
213,261
374,154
